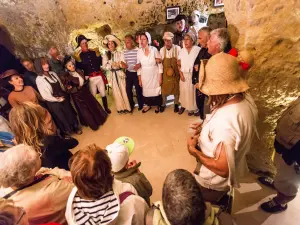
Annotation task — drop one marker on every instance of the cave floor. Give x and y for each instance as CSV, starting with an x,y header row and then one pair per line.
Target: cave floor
x,y
160,144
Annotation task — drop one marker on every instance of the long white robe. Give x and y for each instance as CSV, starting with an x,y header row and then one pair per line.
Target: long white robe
x,y
150,72
187,97
117,80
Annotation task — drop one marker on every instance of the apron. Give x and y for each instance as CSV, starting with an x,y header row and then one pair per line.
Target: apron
x,y
150,76
56,88
171,75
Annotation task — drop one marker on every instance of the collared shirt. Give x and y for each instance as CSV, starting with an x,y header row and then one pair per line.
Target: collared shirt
x,y
169,53
130,57
89,61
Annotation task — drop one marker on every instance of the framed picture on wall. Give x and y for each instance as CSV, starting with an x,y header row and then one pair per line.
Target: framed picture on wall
x,y
172,12
218,3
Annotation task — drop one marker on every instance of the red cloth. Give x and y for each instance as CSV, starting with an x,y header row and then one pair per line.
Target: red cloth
x,y
234,52
99,73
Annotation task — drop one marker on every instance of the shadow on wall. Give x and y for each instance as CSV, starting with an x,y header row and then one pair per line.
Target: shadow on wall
x,y
6,39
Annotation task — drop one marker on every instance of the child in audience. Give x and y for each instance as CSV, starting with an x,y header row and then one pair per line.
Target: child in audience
x,y
119,153
98,198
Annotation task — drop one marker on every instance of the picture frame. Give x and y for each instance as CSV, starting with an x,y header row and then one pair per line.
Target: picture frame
x,y
203,19
172,12
218,3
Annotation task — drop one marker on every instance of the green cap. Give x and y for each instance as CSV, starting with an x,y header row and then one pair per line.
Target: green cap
x,y
127,141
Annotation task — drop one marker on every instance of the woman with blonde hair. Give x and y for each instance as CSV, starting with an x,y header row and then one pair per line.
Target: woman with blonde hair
x,y
29,128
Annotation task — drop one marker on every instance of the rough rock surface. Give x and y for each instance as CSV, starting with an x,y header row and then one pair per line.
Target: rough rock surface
x,y
270,29
34,26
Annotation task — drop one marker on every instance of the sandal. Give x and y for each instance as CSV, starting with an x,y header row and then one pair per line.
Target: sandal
x,y
146,110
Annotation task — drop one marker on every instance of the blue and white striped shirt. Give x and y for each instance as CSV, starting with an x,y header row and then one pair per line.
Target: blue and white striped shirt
x,y
131,58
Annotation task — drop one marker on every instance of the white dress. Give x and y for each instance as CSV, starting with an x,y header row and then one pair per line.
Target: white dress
x,y
117,79
150,73
187,97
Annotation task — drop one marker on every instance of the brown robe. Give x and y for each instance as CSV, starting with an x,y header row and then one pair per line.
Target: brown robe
x,y
89,110
28,94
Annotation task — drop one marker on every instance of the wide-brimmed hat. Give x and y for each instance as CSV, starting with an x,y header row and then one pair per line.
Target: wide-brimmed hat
x,y
79,38
9,73
108,38
221,75
168,36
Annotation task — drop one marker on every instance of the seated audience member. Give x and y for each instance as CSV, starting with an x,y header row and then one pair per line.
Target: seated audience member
x,y
203,37
42,192
226,135
119,153
57,100
95,185
30,128
11,214
56,61
183,204
23,93
287,160
30,74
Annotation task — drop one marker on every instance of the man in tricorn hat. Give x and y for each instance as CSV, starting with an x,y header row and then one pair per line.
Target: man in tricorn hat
x,y
181,29
90,61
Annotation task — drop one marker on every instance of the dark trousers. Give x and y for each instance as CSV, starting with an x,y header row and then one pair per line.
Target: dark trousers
x,y
132,80
200,98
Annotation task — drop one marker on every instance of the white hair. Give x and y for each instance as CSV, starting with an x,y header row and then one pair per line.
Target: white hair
x,y
18,166
223,37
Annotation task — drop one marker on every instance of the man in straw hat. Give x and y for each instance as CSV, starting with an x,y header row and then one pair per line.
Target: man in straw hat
x,y
90,61
226,135
171,75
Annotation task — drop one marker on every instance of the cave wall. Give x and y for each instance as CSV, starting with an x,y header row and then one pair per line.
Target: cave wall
x,y
34,26
270,29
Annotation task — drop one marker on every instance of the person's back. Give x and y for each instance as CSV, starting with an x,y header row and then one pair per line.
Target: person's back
x,y
95,185
183,204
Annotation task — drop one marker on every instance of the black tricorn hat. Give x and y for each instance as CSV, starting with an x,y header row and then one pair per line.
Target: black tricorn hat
x,y
79,38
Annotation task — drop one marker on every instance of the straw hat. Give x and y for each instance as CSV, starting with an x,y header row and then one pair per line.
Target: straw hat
x,y
221,75
108,38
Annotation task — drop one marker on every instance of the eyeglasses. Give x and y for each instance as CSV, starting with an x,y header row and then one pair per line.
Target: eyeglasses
x,y
22,215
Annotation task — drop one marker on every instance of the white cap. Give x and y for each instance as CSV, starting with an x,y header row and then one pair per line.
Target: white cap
x,y
118,155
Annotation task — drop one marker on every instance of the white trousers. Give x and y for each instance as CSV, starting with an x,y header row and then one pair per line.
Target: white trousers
x,y
97,83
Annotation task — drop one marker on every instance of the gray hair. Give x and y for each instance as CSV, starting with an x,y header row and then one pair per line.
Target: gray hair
x,y
182,199
223,36
18,166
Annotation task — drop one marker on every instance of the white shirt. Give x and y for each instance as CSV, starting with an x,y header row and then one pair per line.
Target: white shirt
x,y
233,125
188,59
171,52
45,88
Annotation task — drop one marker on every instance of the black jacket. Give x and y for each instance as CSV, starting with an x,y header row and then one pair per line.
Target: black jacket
x,y
55,152
203,54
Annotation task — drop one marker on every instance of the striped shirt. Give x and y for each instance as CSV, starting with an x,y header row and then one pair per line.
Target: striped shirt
x,y
91,212
131,58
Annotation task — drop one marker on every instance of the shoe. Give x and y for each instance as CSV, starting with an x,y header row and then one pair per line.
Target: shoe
x,y
273,207
162,108
126,111
176,108
197,114
105,105
146,110
190,113
140,108
181,110
269,182
157,110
